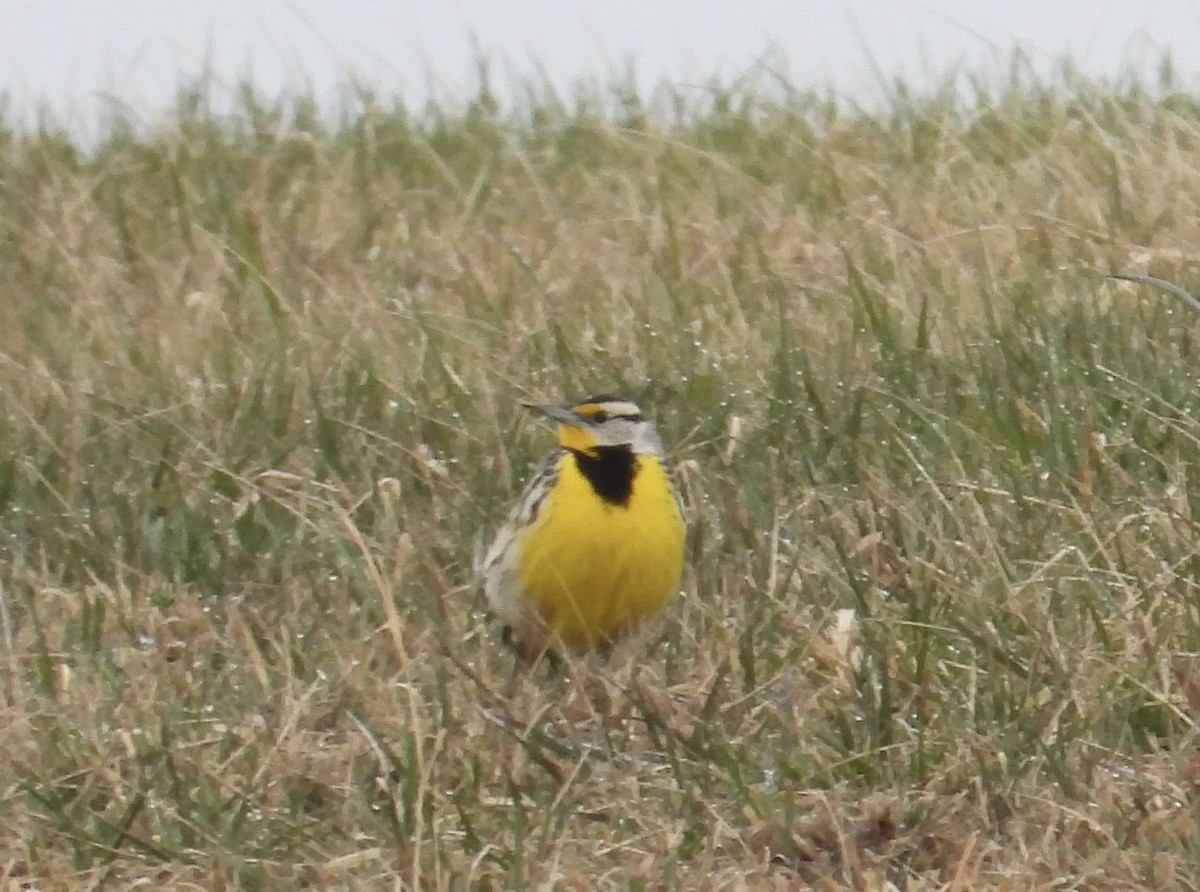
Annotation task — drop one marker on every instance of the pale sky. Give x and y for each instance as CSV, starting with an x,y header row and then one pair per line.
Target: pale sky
x,y
73,53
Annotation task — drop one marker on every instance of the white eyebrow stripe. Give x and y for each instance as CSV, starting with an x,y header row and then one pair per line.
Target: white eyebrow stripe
x,y
619,408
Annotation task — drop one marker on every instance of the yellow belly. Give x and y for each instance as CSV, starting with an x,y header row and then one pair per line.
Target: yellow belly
x,y
591,568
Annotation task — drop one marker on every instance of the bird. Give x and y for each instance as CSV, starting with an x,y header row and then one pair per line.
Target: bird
x,y
593,547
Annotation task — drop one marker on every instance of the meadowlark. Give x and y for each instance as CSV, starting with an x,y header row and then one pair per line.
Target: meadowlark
x,y
594,545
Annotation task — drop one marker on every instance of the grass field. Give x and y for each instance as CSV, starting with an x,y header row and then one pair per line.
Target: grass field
x,y
940,619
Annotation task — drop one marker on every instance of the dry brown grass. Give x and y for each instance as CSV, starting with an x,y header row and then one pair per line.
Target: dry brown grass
x,y
939,625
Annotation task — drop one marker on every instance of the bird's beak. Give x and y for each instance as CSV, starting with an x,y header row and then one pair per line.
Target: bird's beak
x,y
555,412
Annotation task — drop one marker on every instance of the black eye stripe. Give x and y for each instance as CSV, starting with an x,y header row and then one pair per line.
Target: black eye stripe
x,y
603,415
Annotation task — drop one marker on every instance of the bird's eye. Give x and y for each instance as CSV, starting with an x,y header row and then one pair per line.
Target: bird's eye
x,y
600,417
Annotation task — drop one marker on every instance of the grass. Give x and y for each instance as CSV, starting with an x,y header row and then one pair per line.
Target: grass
x,y
940,620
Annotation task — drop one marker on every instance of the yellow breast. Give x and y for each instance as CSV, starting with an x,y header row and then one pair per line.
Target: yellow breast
x,y
592,568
